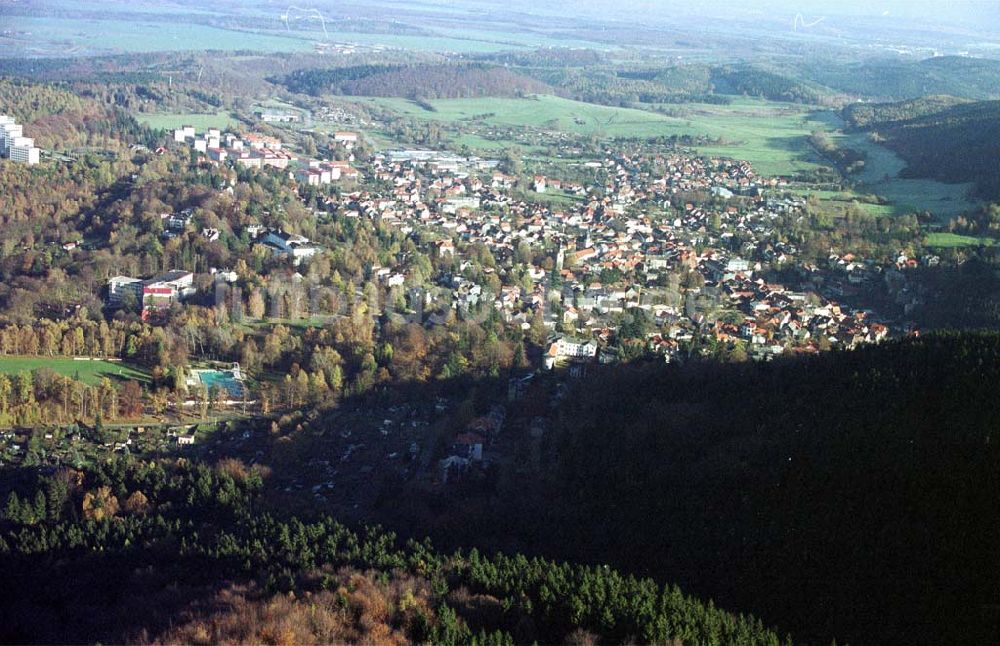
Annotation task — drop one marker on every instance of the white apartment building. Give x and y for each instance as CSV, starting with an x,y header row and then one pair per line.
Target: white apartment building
x,y
24,151
7,133
14,145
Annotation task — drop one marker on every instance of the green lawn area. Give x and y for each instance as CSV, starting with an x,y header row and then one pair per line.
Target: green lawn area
x,y
89,372
953,240
174,120
878,209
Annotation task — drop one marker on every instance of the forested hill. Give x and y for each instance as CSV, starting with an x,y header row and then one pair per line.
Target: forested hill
x,y
181,553
973,78
426,81
954,143
755,81
680,83
56,117
880,115
849,496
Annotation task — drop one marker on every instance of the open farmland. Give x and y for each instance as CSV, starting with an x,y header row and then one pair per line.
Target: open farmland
x,y
770,135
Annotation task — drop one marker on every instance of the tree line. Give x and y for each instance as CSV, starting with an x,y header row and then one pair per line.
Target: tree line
x,y
425,81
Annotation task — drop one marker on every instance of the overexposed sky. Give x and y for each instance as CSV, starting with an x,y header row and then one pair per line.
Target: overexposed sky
x,y
980,14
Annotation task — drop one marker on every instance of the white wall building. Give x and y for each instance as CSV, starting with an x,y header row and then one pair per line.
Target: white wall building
x,y
14,145
25,153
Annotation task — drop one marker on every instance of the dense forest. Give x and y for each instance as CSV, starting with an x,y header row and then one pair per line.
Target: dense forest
x,y
610,84
583,76
799,488
147,551
449,81
949,140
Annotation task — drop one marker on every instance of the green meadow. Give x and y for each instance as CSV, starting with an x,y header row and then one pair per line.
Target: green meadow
x,y
173,120
881,175
953,240
769,135
89,372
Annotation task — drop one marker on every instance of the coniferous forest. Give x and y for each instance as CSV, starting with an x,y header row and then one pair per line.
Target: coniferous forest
x,y
121,552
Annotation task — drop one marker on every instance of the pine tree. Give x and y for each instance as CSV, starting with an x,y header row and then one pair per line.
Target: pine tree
x,y
12,511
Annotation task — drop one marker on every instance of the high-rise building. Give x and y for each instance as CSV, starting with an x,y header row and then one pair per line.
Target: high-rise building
x,y
14,145
7,132
24,152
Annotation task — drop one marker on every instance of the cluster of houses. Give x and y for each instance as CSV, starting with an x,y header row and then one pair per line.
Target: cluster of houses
x,y
255,150
626,248
635,244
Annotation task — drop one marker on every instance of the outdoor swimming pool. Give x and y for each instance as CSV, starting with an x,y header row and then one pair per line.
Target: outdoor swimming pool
x,y
223,379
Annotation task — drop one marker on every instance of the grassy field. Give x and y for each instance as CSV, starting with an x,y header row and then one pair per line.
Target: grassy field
x,y
89,372
770,135
173,120
881,175
954,240
879,209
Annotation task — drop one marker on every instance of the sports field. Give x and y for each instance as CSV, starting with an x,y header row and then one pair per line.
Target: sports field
x,y
89,372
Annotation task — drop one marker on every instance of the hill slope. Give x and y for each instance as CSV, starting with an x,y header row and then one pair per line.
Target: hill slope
x,y
141,551
973,78
940,137
850,495
880,115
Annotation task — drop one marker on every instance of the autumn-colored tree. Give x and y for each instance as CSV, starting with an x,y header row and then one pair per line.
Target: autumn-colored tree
x,y
130,399
100,504
136,503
